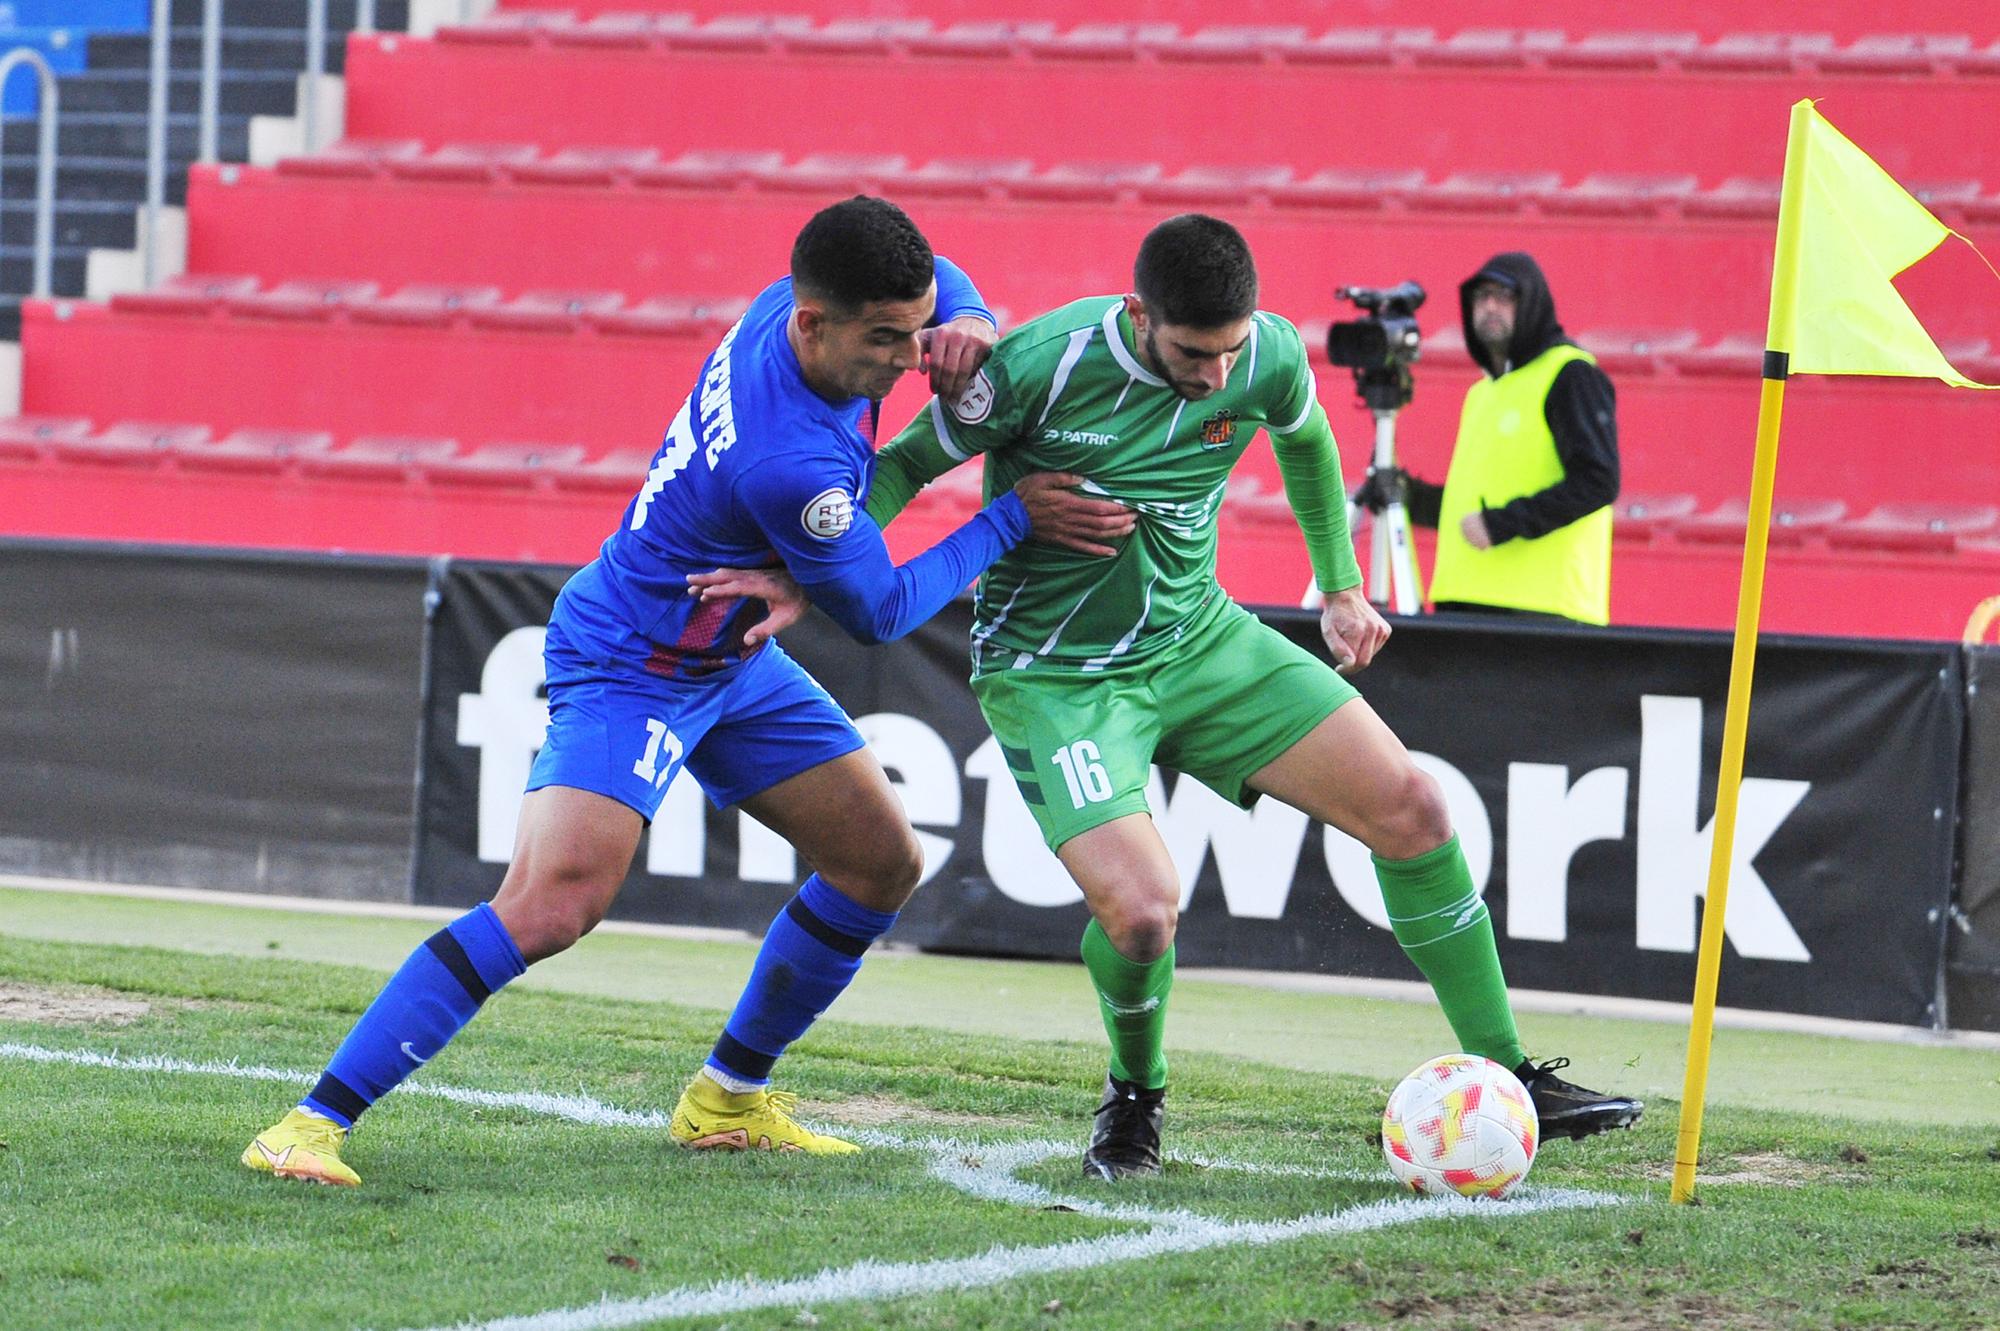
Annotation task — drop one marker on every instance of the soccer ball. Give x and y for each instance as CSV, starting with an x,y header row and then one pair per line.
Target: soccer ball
x,y
1460,1124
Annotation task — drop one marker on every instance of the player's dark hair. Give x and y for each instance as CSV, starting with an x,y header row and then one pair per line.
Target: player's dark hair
x,y
1196,271
860,250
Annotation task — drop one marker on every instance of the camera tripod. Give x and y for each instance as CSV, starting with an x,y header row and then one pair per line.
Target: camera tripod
x,y
1392,567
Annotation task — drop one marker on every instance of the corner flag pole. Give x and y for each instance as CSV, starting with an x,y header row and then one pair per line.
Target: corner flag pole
x,y
1749,604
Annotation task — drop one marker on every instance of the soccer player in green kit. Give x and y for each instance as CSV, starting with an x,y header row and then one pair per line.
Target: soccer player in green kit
x,y
1091,668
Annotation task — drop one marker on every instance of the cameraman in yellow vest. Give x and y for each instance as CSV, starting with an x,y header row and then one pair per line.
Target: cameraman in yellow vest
x,y
1524,515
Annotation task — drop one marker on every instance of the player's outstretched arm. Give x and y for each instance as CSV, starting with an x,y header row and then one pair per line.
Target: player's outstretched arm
x,y
1056,513
837,555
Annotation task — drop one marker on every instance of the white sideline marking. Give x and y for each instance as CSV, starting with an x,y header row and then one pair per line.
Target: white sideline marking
x,y
886,1280
575,1108
983,1170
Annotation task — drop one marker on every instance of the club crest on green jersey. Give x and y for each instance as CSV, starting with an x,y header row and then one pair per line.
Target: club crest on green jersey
x,y
1219,430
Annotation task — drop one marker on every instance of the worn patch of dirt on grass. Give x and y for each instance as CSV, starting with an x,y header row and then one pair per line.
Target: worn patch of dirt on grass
x,y
67,1007
1768,1167
874,1111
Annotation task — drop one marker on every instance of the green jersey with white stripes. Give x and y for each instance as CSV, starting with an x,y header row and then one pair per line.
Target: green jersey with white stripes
x,y
1067,392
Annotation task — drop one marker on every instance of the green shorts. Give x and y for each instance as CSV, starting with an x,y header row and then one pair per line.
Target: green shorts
x,y
1218,706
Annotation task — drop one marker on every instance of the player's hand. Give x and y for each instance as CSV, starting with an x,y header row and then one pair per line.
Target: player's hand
x,y
1058,515
1353,630
784,598
953,353
1476,535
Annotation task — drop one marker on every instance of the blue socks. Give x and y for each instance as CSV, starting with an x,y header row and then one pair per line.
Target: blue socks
x,y
813,949
417,1013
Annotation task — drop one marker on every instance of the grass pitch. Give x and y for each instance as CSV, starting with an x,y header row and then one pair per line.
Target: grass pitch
x,y
121,1203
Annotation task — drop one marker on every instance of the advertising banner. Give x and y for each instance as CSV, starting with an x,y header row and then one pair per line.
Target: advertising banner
x,y
1579,765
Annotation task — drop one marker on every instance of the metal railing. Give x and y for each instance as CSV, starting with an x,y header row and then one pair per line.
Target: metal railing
x,y
45,161
156,149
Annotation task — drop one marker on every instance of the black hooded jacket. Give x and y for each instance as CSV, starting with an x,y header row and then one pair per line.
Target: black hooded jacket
x,y
1581,412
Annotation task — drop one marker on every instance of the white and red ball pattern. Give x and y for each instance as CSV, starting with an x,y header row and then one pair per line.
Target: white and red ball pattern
x,y
1460,1124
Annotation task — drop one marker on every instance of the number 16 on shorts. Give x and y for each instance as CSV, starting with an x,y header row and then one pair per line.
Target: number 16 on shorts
x,y
1088,782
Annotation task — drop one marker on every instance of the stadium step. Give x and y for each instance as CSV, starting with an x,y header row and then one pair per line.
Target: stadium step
x,y
239,92
85,179
242,49
767,89
123,134
390,15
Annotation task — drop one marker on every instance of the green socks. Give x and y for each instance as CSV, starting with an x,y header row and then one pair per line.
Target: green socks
x,y
1443,927
1133,998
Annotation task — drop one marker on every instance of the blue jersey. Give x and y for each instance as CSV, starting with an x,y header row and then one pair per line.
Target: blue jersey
x,y
757,469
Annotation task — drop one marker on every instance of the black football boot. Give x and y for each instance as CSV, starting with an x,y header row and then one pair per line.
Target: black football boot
x,y
1568,1110
1126,1137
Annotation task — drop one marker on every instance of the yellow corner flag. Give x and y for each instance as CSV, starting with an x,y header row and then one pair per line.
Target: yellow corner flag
x,y
1845,229
1857,229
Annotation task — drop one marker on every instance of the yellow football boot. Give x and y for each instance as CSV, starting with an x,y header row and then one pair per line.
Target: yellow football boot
x,y
302,1146
709,1118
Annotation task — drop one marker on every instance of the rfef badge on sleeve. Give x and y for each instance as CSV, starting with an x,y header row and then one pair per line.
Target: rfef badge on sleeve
x,y
828,514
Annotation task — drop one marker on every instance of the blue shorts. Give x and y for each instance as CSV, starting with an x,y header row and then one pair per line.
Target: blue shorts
x,y
621,732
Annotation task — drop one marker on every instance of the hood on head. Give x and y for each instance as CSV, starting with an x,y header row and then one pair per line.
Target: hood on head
x,y
1535,326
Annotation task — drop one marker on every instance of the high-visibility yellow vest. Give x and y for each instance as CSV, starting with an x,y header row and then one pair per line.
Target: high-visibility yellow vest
x,y
1504,451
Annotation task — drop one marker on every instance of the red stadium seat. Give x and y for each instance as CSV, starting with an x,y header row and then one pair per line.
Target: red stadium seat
x,y
659,316
507,27
1235,43
700,169
427,304
353,158
300,299
547,311
1340,187
1361,46
965,176
1641,517
618,31
584,166
463,163
1613,194
1490,48
1926,528
825,171
1897,53
1736,197
1078,181
1760,53
977,37
380,458
186,294
505,464
620,472
1636,351
1792,521
129,444
859,36
263,451
1735,354
1103,41
24,438
1217,186
1625,50
1486,191
740,33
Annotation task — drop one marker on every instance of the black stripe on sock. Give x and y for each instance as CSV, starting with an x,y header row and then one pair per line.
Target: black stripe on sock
x,y
338,1096
742,1060
452,953
845,944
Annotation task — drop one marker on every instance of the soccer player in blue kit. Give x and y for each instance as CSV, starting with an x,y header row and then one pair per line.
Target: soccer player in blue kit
x,y
768,461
